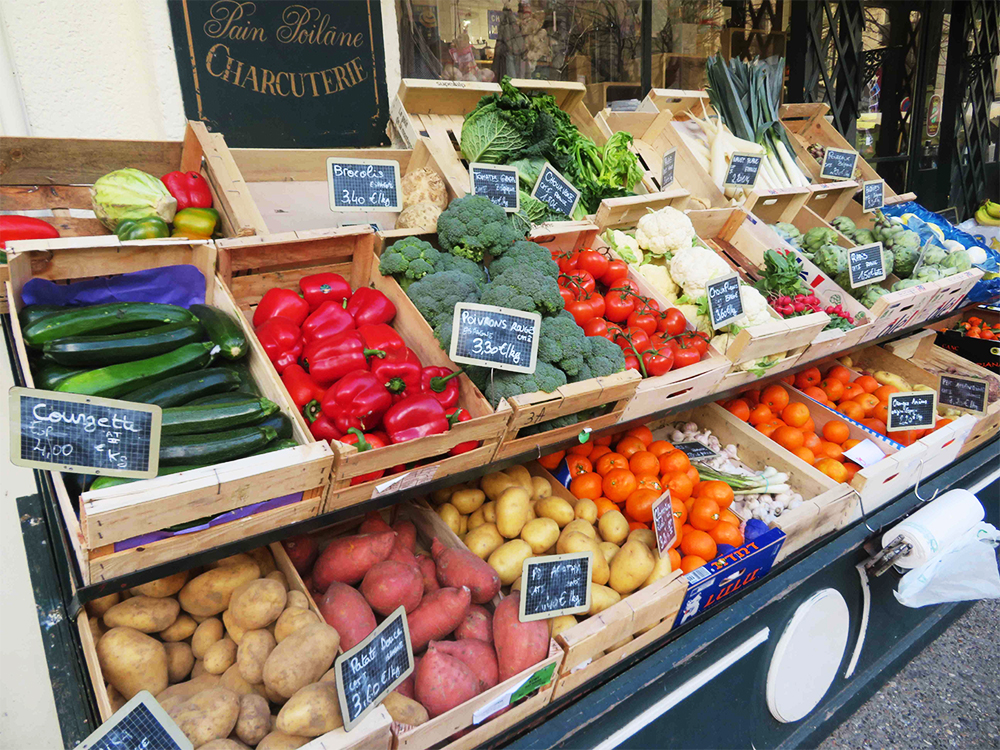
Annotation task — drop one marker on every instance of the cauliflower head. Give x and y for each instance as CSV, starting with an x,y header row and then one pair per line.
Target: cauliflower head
x,y
660,278
625,245
694,267
665,231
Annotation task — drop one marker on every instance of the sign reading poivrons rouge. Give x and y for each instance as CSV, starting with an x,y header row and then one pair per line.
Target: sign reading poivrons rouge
x,y
363,185
838,164
916,410
663,523
372,669
555,585
496,337
84,434
743,170
556,190
696,450
866,264
283,73
872,195
725,303
964,393
667,169
497,183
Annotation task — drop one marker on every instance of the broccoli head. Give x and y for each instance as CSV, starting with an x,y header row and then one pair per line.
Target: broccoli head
x,y
524,289
435,296
509,384
563,343
449,262
526,254
411,257
604,357
474,225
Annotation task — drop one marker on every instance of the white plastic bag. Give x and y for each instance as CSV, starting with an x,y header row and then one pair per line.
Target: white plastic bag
x,y
965,571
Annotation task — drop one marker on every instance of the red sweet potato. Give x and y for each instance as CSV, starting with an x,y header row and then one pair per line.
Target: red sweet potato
x,y
348,558
406,534
302,551
405,688
401,554
519,644
429,571
439,613
389,584
373,523
479,656
459,567
345,610
478,624
442,682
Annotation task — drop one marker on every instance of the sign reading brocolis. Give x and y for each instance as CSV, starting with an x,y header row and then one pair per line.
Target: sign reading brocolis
x,y
277,74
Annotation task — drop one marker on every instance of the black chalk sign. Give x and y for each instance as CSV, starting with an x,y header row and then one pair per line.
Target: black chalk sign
x,y
667,169
372,669
838,164
866,264
872,195
140,723
663,523
496,337
556,190
964,393
555,585
725,303
625,105
916,410
363,184
696,450
950,214
743,170
84,434
497,183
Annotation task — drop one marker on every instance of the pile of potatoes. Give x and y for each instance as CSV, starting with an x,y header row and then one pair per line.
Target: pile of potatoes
x,y
235,658
506,517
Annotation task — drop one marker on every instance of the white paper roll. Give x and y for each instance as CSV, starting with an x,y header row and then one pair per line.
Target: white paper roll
x,y
935,526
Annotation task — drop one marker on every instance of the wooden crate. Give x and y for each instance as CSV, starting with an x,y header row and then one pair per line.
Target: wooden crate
x,y
255,264
116,514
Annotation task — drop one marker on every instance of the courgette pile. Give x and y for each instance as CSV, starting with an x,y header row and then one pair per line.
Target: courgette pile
x,y
174,357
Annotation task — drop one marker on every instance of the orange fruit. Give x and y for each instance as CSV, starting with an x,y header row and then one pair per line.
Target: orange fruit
x,y
606,440
752,396
874,424
604,505
881,412
675,559
836,431
599,450
815,392
789,438
738,408
852,410
851,391
852,469
673,462
698,543
833,469
692,474
868,402
691,563
629,445
578,465
618,484
586,486
795,414
641,432
883,391
831,450
610,461
644,462
717,491
659,447
633,525
649,482
848,444
767,428
760,414
727,516
942,422
833,388
806,455
581,450
809,426
811,440
680,486
905,437
639,505
807,378
775,397
839,372
867,383
788,379
680,513
704,514
727,533
551,461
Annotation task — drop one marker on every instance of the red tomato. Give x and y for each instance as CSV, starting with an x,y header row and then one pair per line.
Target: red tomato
x,y
581,310
626,284
617,269
597,304
618,306
685,357
593,263
632,362
567,260
597,327
643,320
646,305
567,294
577,280
658,360
672,322
632,337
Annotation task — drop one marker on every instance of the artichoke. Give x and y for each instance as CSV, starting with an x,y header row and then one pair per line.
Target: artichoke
x,y
864,237
816,237
843,280
906,259
928,273
832,259
871,295
890,260
131,194
935,256
905,284
844,225
788,232
959,260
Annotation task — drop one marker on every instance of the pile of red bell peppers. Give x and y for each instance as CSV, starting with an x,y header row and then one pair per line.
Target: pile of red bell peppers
x,y
350,372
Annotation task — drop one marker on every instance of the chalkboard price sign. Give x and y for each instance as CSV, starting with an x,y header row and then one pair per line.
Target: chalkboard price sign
x,y
84,434
725,303
555,585
363,184
872,195
372,669
140,723
667,170
496,337
866,264
556,190
497,183
625,105
663,522
696,450
964,393
743,170
916,410
838,164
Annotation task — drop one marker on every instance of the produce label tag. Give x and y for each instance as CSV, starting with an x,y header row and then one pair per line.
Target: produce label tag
x,y
510,696
743,171
725,303
838,164
555,585
667,170
964,393
916,410
363,184
497,183
663,523
556,190
496,337
406,481
696,450
401,122
865,454
872,195
372,669
84,434
141,722
866,264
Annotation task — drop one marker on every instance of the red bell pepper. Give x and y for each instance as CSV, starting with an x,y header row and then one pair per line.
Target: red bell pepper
x,y
189,188
282,342
301,387
320,425
441,383
357,400
325,321
14,227
370,307
415,417
364,442
399,372
461,415
280,302
330,359
324,287
384,337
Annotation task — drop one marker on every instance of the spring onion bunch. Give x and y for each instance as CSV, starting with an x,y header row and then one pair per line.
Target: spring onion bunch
x,y
768,481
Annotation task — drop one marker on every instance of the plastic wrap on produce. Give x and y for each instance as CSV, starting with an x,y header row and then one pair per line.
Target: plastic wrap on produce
x,y
170,285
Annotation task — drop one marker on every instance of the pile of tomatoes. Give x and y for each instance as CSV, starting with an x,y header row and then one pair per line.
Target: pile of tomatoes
x,y
605,302
627,473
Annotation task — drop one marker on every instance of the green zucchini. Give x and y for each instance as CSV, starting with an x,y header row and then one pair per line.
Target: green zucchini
x,y
112,318
186,420
277,445
117,380
222,398
31,313
281,424
222,329
51,375
102,483
215,447
115,348
181,389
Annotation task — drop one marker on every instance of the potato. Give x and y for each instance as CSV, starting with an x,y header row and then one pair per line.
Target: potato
x,y
199,669
232,629
661,568
560,623
301,659
586,510
179,630
512,511
296,600
582,526
180,660
516,586
463,525
405,710
444,494
281,741
257,645
890,378
291,620
224,744
540,488
143,613
631,567
646,536
99,606
494,484
133,661
176,694
519,645
476,519
162,586
208,594
577,542
609,550
257,604
254,721
490,512
231,679
522,476
483,540
277,575
240,558
207,716
210,631
313,710
220,656
468,501
602,597
97,629
508,559
540,534
556,508
613,527
264,559
450,515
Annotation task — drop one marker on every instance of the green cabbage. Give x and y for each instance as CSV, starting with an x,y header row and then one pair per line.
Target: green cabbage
x,y
131,194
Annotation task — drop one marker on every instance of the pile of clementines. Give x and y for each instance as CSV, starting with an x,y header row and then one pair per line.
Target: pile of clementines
x,y
628,472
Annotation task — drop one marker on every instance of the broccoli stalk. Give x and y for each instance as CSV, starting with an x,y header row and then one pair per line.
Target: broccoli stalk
x,y
473,226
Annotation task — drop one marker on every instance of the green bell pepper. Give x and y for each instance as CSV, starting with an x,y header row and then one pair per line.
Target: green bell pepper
x,y
148,228
195,223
